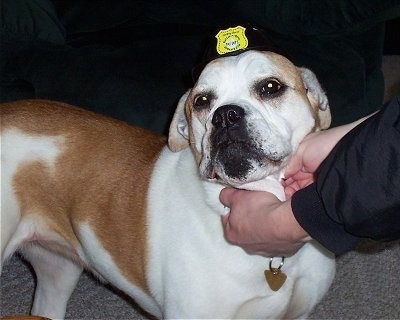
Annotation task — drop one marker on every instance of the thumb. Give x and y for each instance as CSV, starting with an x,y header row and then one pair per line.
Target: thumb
x,y
226,196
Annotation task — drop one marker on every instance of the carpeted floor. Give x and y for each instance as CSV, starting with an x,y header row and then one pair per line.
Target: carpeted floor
x,y
366,284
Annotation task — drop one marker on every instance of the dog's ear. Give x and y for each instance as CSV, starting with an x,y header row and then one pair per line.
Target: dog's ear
x,y
317,98
178,138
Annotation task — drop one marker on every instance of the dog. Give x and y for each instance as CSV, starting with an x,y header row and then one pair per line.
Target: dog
x,y
84,191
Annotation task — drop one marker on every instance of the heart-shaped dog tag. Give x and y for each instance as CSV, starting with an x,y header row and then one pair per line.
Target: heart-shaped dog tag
x,y
275,278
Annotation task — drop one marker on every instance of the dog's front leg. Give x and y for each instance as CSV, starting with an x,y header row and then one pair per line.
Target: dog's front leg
x,y
56,279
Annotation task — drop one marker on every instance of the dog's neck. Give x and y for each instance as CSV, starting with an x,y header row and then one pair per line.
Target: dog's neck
x,y
271,184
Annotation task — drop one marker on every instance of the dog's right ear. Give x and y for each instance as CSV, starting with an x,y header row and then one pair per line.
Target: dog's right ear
x,y
317,98
178,138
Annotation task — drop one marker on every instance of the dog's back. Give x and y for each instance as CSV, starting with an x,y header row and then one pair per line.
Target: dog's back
x,y
52,147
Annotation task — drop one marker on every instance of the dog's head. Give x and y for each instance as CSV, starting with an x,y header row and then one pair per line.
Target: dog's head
x,y
246,115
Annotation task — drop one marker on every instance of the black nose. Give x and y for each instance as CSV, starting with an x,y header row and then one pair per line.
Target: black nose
x,y
227,116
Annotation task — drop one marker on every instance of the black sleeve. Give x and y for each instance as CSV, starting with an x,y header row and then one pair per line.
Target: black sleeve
x,y
357,191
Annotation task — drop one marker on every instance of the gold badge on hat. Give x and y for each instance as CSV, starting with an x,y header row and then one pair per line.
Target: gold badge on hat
x,y
231,39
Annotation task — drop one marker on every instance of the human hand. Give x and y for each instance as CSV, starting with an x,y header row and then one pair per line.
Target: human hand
x,y
300,172
261,224
312,151
315,147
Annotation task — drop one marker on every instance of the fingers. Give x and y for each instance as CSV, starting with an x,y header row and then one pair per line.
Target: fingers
x,y
253,220
226,196
225,222
298,181
290,190
271,250
295,165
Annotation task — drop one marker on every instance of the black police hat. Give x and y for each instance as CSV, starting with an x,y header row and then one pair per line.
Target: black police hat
x,y
232,41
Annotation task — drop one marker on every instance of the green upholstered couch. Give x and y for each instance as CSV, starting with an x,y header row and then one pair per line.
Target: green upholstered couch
x,y
132,59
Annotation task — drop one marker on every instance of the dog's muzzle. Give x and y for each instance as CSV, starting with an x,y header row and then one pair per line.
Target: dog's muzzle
x,y
233,152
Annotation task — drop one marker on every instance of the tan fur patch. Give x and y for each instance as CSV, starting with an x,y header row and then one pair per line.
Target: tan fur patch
x,y
101,176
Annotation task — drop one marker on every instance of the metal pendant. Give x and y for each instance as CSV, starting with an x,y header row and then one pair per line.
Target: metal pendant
x,y
274,276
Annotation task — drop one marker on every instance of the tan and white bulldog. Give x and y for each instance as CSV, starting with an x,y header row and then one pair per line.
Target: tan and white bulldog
x,y
83,191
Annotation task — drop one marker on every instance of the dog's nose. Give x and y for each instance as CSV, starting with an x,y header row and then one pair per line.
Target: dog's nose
x,y
227,116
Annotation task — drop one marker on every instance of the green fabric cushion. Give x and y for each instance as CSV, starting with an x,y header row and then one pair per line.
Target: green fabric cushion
x,y
132,59
25,22
316,17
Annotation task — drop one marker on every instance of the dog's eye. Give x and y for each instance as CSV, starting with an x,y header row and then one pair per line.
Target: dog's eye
x,y
202,102
269,88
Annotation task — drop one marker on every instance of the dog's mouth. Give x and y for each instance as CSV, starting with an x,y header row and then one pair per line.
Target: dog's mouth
x,y
213,175
237,163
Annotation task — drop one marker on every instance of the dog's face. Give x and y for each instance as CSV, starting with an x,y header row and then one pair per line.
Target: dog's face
x,y
246,115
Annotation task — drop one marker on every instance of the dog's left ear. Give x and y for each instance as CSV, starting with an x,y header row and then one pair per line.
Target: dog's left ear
x,y
178,138
317,98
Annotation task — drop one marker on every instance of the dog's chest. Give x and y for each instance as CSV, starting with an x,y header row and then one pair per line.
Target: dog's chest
x,y
188,253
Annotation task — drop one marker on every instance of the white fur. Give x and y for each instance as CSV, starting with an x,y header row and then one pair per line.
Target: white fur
x,y
100,261
56,277
195,273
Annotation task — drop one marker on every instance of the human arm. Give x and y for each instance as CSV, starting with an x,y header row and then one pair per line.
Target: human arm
x,y
357,191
